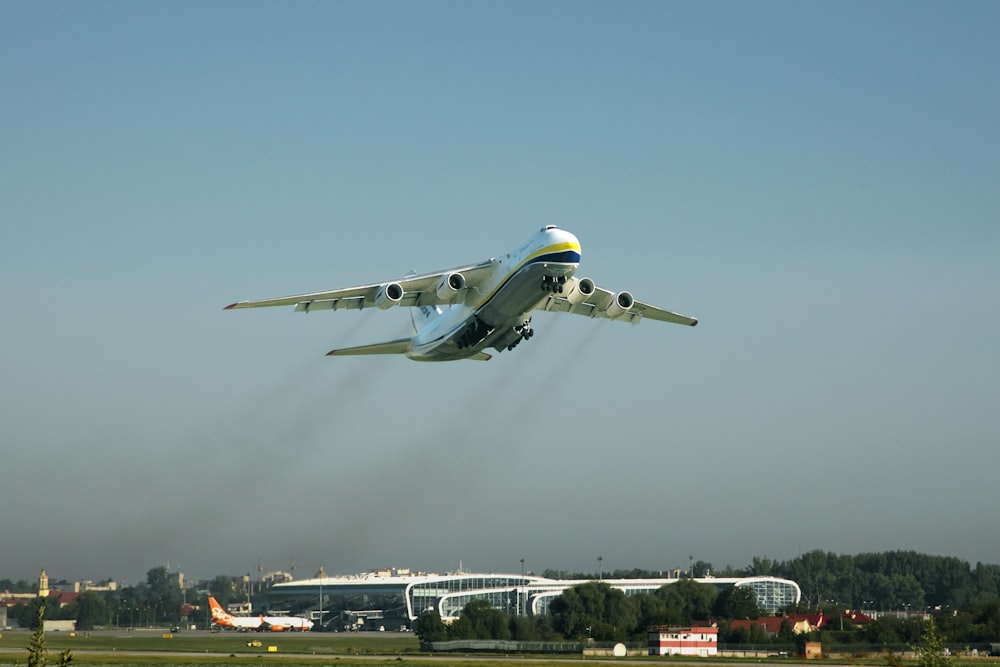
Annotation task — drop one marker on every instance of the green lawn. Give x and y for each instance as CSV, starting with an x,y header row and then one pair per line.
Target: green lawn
x,y
223,643
319,649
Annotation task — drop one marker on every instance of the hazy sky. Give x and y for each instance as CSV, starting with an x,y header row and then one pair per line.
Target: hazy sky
x,y
819,183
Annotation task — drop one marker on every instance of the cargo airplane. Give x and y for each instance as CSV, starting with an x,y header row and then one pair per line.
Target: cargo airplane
x,y
459,313
259,623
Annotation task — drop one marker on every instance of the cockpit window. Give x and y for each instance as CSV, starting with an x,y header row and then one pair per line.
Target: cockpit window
x,y
547,228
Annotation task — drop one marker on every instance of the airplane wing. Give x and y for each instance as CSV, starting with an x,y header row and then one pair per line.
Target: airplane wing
x,y
430,289
399,346
599,301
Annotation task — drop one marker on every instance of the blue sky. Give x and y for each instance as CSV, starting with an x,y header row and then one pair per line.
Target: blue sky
x,y
817,182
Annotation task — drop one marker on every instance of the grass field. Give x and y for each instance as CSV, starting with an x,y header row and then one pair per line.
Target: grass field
x,y
213,647
147,647
199,649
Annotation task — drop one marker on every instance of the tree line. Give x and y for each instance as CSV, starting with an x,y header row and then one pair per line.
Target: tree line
x,y
891,580
964,599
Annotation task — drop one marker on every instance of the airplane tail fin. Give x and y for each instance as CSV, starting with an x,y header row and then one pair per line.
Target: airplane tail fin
x,y
218,613
398,346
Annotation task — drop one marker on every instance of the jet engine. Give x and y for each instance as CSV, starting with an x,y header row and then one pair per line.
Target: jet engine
x,y
580,290
389,295
450,287
620,305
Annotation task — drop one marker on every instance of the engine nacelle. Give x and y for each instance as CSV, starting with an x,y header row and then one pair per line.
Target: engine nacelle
x,y
450,287
621,303
580,290
389,295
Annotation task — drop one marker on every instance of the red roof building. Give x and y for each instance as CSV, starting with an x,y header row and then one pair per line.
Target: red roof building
x,y
801,623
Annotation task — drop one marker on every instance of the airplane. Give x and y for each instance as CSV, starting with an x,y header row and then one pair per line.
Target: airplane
x,y
258,623
458,313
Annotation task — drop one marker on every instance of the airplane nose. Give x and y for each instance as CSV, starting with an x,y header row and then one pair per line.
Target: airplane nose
x,y
557,235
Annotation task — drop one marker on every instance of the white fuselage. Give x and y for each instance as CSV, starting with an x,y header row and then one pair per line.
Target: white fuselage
x,y
273,623
497,313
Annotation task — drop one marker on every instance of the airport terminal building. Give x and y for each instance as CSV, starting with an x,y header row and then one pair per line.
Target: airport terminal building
x,y
393,599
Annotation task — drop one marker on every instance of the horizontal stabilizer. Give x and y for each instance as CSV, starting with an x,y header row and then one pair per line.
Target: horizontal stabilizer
x,y
399,346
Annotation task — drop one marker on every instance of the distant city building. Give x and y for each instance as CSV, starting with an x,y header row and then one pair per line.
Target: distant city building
x,y
700,641
61,592
395,598
277,577
87,585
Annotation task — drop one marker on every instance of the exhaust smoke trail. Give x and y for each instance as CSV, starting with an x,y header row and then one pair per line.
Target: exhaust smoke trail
x,y
272,453
281,423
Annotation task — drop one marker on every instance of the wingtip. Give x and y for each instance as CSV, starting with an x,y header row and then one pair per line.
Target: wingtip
x,y
694,323
331,353
230,306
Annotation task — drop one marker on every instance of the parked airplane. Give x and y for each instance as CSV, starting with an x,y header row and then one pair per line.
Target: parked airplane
x,y
259,623
458,313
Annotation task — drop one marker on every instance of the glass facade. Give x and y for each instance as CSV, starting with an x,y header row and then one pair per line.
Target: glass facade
x,y
773,595
449,595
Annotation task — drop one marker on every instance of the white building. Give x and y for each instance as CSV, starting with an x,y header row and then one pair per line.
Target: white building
x,y
393,599
698,641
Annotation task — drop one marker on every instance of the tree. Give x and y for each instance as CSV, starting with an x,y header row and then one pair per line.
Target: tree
x,y
485,621
652,610
532,628
986,616
523,629
593,610
223,589
760,567
932,651
879,632
752,634
430,628
89,609
27,615
460,628
164,595
736,602
544,628
690,600
786,633
37,653
20,586
700,569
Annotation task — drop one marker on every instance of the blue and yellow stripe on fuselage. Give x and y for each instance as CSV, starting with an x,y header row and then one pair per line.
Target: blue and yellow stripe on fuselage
x,y
560,253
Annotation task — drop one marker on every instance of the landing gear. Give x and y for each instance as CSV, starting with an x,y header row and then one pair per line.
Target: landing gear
x,y
524,333
474,333
553,284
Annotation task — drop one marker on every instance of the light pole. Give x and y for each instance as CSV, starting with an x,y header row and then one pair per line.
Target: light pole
x,y
600,568
520,588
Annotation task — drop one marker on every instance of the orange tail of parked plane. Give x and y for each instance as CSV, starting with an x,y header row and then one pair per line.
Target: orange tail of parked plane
x,y
223,618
